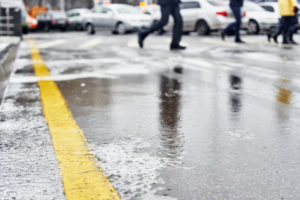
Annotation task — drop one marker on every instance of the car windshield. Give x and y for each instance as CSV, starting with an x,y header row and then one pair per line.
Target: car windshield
x,y
126,10
268,8
250,6
217,3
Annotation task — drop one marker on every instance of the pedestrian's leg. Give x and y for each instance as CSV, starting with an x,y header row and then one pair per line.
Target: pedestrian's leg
x,y
286,25
291,34
292,29
177,28
238,18
230,29
278,30
165,12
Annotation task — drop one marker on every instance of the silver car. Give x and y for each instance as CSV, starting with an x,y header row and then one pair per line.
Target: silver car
x,y
258,19
76,18
119,18
204,16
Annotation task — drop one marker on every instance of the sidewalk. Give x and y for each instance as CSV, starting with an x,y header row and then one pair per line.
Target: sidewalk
x,y
8,49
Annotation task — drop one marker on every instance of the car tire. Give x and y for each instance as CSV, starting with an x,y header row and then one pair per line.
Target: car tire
x,y
202,28
114,32
90,29
253,27
120,28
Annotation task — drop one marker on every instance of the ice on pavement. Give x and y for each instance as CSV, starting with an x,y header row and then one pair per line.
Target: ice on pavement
x,y
133,171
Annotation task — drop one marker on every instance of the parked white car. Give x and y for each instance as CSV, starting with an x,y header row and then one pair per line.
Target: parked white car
x,y
271,7
258,19
205,16
119,18
154,11
76,18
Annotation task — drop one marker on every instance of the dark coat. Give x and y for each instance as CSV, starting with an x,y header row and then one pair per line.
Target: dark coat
x,y
169,2
236,3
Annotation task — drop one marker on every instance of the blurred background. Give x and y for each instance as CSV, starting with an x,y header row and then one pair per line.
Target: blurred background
x,y
201,16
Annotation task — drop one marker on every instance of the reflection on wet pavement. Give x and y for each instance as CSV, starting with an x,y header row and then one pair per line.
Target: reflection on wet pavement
x,y
171,141
284,95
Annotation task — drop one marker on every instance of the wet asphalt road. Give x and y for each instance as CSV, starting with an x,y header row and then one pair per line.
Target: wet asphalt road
x,y
217,121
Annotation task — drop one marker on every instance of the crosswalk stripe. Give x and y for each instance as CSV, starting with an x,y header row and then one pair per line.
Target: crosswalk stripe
x,y
90,43
50,44
133,42
169,40
82,178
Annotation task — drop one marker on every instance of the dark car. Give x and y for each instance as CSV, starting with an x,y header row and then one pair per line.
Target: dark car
x,y
51,20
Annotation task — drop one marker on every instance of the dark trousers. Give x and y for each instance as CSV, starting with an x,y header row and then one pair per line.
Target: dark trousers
x,y
236,26
286,24
167,10
280,26
278,29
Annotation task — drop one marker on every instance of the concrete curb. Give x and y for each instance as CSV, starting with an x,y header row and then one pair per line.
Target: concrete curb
x,y
8,51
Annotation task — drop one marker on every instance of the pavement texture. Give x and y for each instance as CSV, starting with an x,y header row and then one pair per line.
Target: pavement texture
x,y
217,121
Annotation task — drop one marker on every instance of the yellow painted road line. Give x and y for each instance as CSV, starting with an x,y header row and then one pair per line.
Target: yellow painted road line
x,y
82,179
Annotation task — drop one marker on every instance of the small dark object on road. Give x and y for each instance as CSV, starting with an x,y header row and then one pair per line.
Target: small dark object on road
x,y
178,69
235,82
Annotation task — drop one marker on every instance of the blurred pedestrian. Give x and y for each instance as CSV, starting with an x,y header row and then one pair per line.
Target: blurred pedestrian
x,y
276,31
236,7
288,9
293,28
167,7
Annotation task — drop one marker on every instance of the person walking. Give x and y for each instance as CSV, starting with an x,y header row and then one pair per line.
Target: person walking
x,y
276,31
167,7
293,27
236,7
287,9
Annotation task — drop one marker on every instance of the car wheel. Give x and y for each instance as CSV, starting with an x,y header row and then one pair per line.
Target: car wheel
x,y
202,28
90,29
120,28
253,27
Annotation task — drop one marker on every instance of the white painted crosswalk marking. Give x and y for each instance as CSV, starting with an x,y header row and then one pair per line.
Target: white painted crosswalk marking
x,y
51,44
133,42
90,43
169,40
